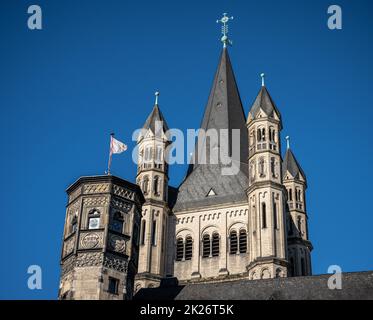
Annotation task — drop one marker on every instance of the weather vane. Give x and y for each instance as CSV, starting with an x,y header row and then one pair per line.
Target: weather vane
x,y
224,29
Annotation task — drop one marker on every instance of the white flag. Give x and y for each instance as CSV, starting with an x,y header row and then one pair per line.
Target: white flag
x,y
117,146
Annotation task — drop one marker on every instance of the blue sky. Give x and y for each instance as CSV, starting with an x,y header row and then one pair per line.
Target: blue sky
x,y
93,70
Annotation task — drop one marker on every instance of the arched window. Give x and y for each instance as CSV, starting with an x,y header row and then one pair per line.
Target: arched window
x,y
259,135
275,214
118,222
299,195
143,229
272,133
299,221
264,215
233,242
148,154
94,219
261,167
156,185
145,185
206,246
188,248
159,154
243,241
154,233
215,245
179,249
290,193
273,168
263,134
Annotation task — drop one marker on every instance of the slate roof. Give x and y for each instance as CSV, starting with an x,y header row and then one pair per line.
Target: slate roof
x,y
193,193
291,164
355,286
155,115
265,102
223,111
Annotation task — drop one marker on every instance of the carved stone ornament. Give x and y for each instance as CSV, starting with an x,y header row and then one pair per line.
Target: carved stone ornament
x,y
117,244
115,263
123,193
96,188
91,241
121,205
89,259
68,265
69,246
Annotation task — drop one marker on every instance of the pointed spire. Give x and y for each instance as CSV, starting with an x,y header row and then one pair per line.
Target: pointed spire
x,y
265,103
155,115
291,164
223,111
224,107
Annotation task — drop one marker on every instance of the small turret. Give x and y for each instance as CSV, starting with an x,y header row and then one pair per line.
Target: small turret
x,y
299,246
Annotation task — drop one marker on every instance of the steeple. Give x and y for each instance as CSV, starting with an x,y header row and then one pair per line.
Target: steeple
x,y
264,103
291,165
223,111
152,177
154,116
299,246
224,108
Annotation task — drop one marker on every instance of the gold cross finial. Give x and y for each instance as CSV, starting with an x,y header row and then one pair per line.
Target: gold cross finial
x,y
224,29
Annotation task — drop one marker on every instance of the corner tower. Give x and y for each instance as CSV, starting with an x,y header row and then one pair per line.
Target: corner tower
x,y
99,256
152,177
266,194
299,246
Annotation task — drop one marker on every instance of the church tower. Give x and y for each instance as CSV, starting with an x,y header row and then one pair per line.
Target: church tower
x,y
152,177
99,256
266,194
299,246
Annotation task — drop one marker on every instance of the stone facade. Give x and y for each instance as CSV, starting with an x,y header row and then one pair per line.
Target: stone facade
x,y
100,245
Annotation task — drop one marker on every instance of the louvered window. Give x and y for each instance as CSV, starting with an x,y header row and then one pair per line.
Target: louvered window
x,y
188,248
215,245
243,241
206,246
179,249
233,242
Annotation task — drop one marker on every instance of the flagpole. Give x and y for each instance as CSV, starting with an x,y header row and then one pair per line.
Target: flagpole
x,y
110,154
